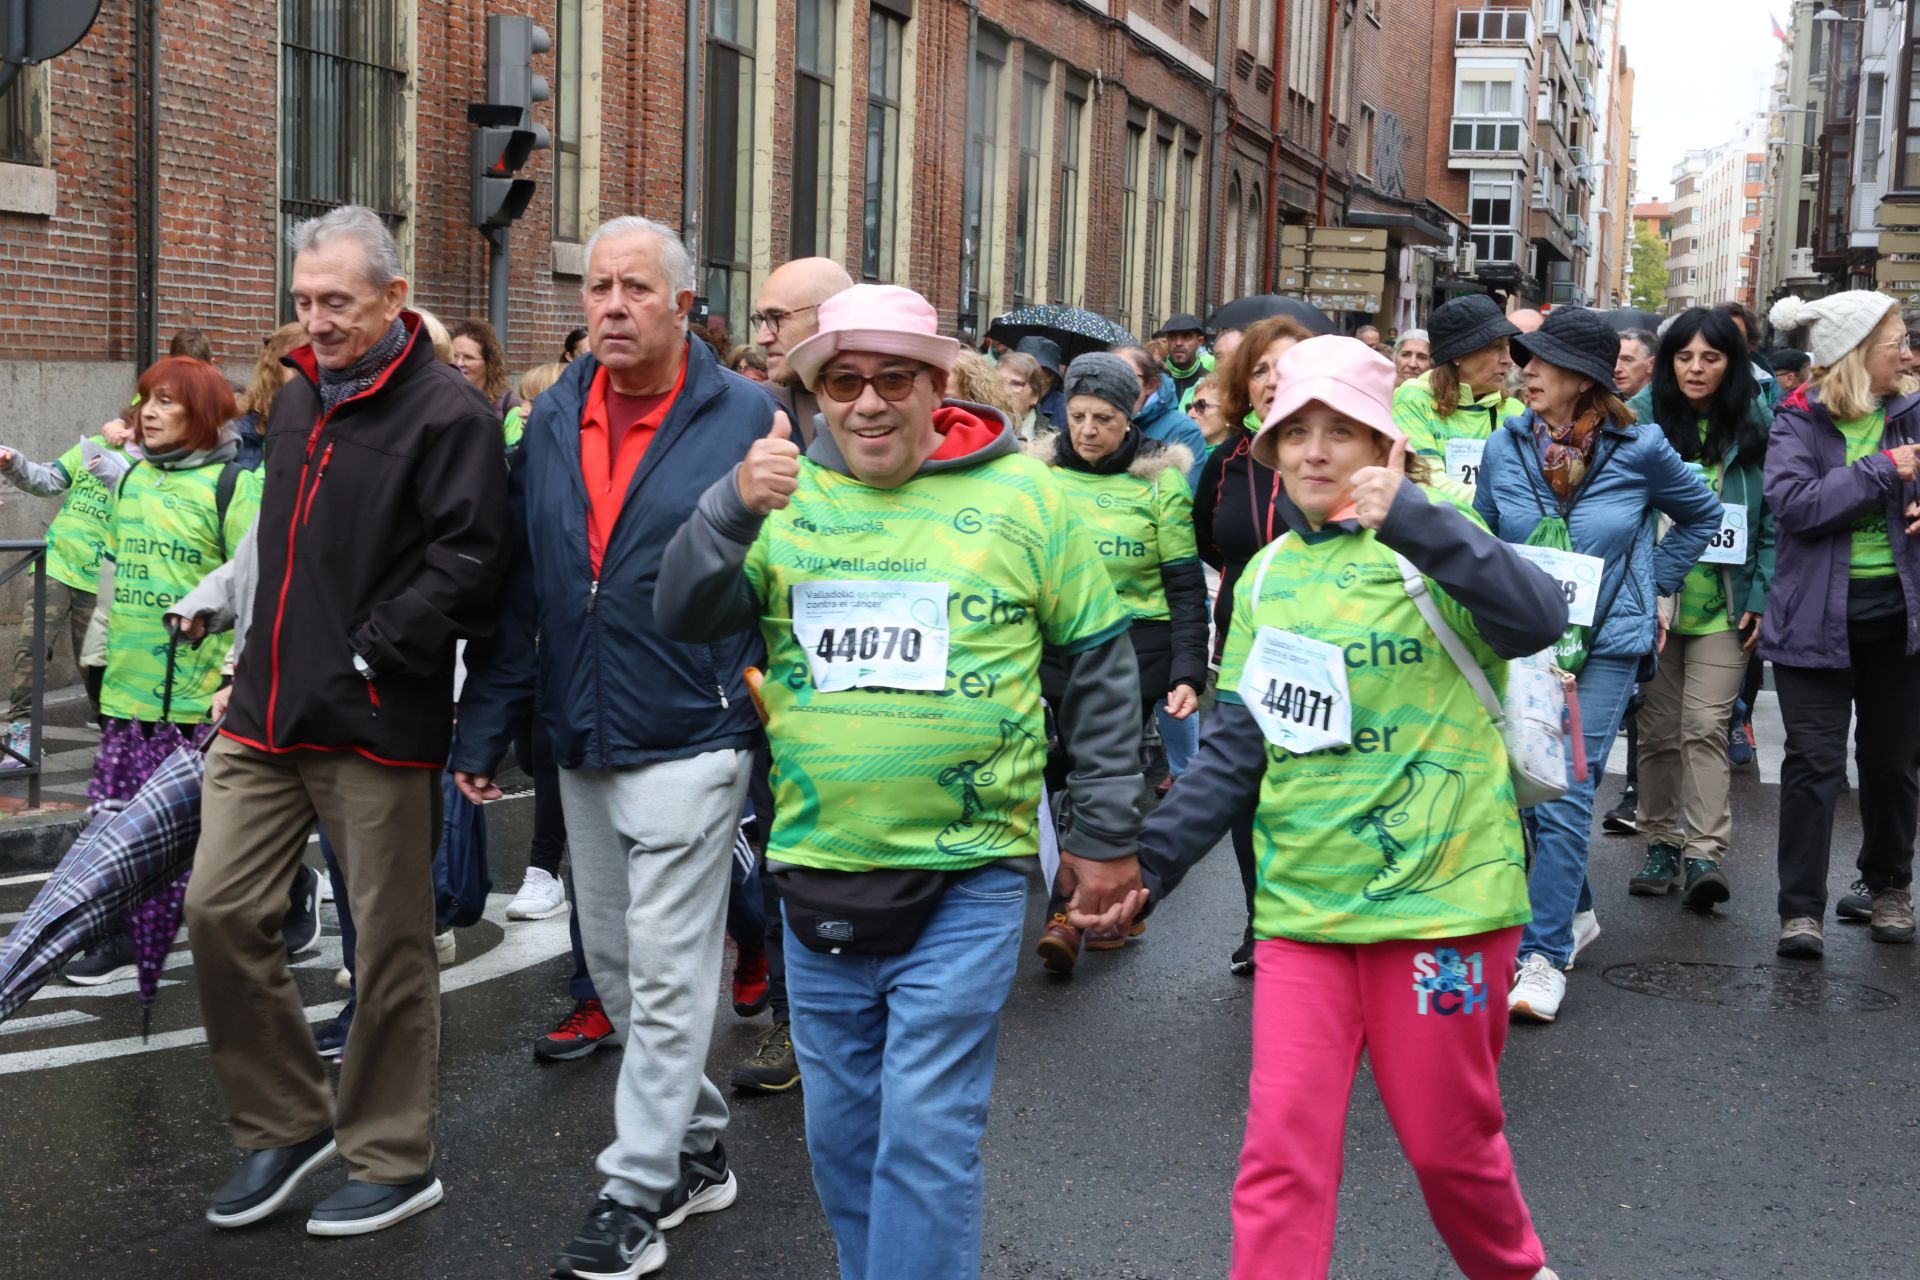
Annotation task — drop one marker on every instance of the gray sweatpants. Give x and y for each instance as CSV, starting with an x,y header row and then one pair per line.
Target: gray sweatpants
x,y
651,848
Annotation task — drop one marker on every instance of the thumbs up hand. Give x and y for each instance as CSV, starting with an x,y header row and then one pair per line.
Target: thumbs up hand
x,y
771,470
1374,488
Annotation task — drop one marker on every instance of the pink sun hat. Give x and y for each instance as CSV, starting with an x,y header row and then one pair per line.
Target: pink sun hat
x,y
884,319
1344,374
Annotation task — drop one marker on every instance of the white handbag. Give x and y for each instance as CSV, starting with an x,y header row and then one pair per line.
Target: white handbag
x,y
1533,719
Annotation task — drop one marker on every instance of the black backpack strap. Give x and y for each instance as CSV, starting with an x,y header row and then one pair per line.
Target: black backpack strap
x,y
222,499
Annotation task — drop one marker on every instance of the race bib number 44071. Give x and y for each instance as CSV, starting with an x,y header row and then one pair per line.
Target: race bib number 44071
x,y
861,634
1296,689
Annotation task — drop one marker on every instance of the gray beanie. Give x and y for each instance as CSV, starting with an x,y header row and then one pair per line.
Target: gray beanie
x,y
1102,374
1836,324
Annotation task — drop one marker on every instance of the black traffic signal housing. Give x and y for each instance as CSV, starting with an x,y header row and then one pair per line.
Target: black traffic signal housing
x,y
506,135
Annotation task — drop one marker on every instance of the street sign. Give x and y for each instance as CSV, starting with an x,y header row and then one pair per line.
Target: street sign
x,y
32,31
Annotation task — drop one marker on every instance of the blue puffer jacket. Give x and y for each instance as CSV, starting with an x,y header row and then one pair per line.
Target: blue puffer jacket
x,y
1161,419
612,689
1637,474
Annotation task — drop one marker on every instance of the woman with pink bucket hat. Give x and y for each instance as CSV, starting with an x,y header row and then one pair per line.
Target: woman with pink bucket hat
x,y
1392,874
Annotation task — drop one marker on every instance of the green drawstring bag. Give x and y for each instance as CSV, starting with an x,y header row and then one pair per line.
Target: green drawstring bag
x,y
1570,650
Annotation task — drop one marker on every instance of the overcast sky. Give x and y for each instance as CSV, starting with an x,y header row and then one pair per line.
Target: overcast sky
x,y
1701,67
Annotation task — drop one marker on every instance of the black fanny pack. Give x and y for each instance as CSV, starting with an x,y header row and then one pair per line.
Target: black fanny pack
x,y
870,912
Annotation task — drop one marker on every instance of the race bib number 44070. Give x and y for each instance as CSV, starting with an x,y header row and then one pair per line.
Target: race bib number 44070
x,y
1296,689
861,634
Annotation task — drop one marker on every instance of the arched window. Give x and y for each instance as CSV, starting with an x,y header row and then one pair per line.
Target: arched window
x,y
1256,244
1230,278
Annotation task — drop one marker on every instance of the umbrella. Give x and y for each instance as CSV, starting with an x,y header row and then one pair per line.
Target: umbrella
x,y
1075,330
1624,318
1242,312
123,859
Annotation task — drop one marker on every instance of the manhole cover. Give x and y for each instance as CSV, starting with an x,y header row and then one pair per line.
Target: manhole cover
x,y
1760,989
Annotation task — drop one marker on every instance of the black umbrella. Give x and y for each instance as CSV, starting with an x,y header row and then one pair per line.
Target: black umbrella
x,y
1074,330
1622,319
1242,312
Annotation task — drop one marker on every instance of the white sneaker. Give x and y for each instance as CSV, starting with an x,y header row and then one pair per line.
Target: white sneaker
x,y
1546,1274
446,946
541,896
1586,927
343,979
1538,989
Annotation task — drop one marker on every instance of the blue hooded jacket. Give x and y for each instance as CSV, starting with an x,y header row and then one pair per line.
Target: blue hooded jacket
x,y
1160,419
1637,477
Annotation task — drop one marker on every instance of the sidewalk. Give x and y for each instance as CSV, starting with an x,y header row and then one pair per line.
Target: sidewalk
x,y
35,838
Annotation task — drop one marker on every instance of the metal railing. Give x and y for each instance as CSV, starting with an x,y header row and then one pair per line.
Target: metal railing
x,y
29,553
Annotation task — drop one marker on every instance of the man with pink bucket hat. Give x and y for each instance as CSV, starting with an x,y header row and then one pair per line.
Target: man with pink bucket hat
x,y
1392,874
905,574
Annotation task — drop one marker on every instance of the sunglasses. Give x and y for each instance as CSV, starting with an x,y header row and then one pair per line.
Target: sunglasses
x,y
1201,406
846,386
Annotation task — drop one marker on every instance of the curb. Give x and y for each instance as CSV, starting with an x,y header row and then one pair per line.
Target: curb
x,y
30,845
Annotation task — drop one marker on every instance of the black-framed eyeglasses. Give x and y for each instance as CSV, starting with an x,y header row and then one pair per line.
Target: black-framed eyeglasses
x,y
772,320
846,385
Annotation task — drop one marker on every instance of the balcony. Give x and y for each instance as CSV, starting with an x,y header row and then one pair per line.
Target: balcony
x,y
1488,136
1493,26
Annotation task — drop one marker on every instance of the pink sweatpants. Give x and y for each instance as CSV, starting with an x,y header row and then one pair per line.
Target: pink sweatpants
x,y
1432,1016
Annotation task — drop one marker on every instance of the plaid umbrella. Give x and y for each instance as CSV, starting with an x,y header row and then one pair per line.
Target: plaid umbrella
x,y
1242,312
121,861
1074,330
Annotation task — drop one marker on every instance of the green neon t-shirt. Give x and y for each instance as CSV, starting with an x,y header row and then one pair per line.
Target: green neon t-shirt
x,y
1139,525
515,424
78,535
946,779
1411,830
1701,607
163,540
1872,545
1417,414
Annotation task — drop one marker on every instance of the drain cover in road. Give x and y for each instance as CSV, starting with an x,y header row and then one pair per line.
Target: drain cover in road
x,y
1760,989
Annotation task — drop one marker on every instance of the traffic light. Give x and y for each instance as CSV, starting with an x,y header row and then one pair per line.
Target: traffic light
x,y
507,135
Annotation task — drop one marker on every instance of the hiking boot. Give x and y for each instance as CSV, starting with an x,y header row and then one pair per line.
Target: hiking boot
x,y
1113,942
1800,938
103,962
751,990
617,1241
1623,818
772,1068
1659,875
582,1031
706,1186
1059,946
1706,885
1892,916
265,1179
1856,904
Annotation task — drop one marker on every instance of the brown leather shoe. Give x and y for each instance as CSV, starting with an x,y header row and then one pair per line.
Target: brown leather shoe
x,y
1163,786
1115,943
1059,946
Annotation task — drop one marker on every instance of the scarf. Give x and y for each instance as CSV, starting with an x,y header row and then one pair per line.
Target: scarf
x,y
1117,461
1569,453
192,459
343,384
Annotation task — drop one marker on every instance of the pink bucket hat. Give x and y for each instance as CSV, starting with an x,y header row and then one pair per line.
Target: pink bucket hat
x,y
1344,374
884,319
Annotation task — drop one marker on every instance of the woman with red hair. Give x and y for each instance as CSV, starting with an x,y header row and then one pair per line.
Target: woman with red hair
x,y
176,515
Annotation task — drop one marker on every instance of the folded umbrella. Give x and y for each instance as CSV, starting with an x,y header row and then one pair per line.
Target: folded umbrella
x,y
1076,331
1243,312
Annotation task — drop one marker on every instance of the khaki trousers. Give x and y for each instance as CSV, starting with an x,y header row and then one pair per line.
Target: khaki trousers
x,y
384,823
1684,773
69,611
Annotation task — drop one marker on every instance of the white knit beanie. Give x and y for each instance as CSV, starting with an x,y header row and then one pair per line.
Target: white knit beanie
x,y
1835,325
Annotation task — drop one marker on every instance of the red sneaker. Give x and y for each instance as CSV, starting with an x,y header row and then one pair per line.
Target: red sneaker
x,y
750,991
579,1034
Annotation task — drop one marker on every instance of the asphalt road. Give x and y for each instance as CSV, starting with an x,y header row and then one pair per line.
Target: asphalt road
x,y
1764,1126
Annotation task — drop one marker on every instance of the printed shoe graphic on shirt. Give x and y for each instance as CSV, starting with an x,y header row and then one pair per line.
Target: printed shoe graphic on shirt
x,y
1423,814
975,833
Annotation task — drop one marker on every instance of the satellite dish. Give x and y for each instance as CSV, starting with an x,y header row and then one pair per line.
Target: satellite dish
x,y
32,31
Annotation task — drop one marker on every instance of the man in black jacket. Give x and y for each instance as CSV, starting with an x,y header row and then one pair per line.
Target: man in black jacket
x,y
383,526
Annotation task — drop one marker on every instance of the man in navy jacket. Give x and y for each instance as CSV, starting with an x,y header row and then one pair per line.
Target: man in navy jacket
x,y
654,738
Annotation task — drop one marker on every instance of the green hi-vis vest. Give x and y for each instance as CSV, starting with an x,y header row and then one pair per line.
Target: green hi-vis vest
x,y
1411,830
948,778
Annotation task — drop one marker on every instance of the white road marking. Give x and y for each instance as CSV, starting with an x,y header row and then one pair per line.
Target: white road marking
x,y
525,943
45,1022
31,877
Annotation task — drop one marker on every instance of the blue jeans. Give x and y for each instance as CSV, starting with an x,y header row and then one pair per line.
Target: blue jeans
x,y
1562,828
897,1055
1181,738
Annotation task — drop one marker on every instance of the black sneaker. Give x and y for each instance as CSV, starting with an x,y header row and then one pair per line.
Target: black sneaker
x,y
109,961
1659,875
773,1067
1623,818
265,1179
1856,904
363,1207
330,1038
301,927
1241,963
706,1186
1706,885
616,1241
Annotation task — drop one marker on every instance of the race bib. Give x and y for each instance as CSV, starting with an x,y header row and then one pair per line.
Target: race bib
x,y
1297,691
1578,577
873,635
1463,460
1729,543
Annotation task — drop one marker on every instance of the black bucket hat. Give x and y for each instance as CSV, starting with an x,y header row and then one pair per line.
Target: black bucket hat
x,y
1466,324
1577,339
1045,350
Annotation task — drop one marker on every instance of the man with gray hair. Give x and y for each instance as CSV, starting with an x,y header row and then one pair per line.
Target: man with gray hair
x,y
384,519
654,738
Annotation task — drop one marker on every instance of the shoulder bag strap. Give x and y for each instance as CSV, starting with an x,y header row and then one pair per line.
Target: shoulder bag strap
x,y
1450,640
1266,558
